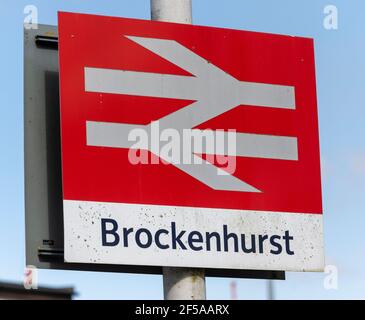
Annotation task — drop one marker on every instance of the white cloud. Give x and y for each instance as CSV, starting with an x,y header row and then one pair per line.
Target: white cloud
x,y
357,163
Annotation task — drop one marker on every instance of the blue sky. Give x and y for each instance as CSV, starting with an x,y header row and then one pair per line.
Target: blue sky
x,y
340,85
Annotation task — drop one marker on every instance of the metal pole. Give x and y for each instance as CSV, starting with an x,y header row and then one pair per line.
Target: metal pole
x,y
171,11
183,284
179,283
270,290
233,286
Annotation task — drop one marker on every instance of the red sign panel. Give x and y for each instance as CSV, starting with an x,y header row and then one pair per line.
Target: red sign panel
x,y
118,73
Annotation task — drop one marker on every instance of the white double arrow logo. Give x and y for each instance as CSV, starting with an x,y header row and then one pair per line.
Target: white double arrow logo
x,y
213,91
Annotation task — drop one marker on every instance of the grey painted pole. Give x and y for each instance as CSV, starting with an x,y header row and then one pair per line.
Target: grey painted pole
x,y
270,290
171,11
179,283
183,284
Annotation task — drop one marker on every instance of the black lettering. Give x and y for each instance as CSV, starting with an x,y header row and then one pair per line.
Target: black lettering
x,y
277,245
112,231
192,240
210,235
139,241
262,239
227,236
126,232
176,239
287,239
253,244
158,241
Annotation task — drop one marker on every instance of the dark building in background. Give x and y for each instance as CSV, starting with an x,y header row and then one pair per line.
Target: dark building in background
x,y
13,291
